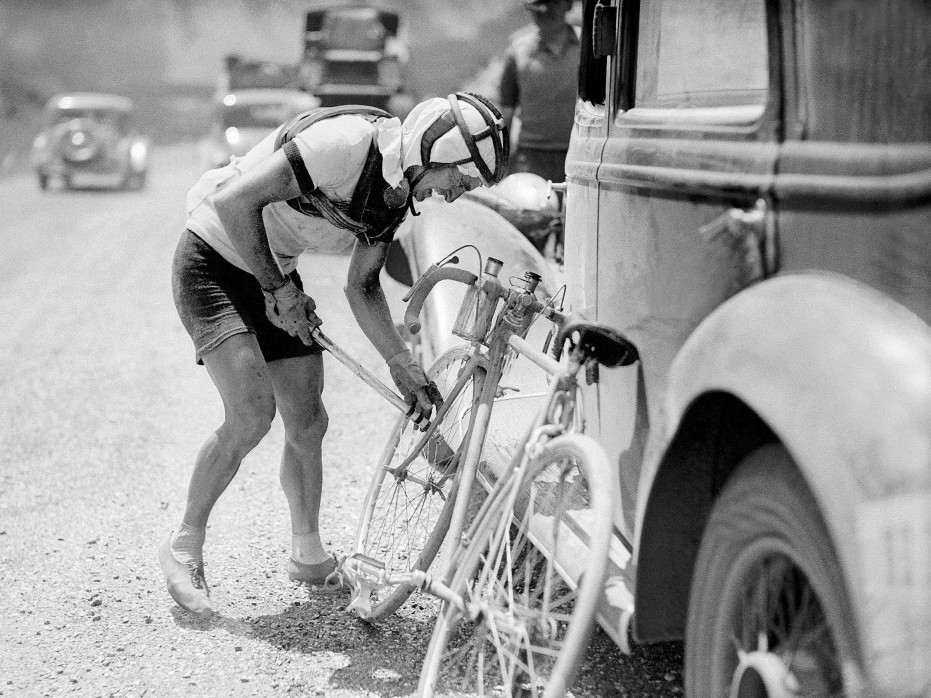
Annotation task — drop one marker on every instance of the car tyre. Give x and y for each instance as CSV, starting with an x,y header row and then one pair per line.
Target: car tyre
x,y
43,181
768,597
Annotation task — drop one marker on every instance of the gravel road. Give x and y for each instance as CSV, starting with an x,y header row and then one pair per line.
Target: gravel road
x,y
101,412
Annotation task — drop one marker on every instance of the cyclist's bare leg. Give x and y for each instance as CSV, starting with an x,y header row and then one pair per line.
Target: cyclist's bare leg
x,y
298,384
241,376
243,380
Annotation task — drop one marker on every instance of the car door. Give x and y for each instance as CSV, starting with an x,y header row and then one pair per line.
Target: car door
x,y
694,123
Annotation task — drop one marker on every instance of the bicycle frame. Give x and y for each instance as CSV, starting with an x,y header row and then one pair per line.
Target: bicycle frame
x,y
367,573
509,324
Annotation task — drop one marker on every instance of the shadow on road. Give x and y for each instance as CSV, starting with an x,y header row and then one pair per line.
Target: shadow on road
x,y
388,653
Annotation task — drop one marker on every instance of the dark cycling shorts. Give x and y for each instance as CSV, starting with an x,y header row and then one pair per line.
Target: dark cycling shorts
x,y
216,300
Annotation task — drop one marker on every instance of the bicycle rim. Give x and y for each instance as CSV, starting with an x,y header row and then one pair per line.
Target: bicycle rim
x,y
529,614
407,512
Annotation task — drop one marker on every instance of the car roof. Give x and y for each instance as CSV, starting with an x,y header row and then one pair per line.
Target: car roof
x,y
90,100
264,95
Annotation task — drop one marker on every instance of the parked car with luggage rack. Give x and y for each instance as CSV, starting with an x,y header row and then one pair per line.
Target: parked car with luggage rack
x,y
90,139
357,53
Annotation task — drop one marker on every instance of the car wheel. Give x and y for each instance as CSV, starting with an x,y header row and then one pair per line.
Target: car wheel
x,y
768,606
43,181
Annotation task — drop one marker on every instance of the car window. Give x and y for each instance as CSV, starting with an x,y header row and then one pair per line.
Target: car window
x,y
114,119
702,53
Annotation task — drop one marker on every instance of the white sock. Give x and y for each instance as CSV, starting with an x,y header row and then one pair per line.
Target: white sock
x,y
187,544
307,548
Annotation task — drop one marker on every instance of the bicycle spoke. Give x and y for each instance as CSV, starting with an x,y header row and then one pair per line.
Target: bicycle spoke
x,y
411,497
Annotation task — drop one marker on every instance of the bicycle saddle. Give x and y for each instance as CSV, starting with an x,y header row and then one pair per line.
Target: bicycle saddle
x,y
608,346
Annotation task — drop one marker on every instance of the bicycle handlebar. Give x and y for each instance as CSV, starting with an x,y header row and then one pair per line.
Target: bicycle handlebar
x,y
421,289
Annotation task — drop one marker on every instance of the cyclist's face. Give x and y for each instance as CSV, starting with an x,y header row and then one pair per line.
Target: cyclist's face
x,y
447,182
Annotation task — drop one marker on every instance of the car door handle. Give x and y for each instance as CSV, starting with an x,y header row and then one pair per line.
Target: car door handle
x,y
733,219
751,232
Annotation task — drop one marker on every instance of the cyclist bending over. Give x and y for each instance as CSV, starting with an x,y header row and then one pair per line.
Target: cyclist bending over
x,y
314,184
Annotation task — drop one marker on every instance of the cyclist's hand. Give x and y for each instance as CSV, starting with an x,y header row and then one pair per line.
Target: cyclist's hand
x,y
417,390
292,310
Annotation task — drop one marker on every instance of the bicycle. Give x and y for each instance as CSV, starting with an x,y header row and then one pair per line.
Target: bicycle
x,y
526,576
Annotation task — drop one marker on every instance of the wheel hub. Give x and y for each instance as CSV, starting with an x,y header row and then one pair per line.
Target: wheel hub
x,y
762,674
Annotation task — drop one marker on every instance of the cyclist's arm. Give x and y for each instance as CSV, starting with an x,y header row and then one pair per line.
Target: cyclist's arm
x,y
239,206
509,89
367,298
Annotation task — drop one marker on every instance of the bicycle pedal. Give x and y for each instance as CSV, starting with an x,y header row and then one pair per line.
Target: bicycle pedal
x,y
503,389
359,559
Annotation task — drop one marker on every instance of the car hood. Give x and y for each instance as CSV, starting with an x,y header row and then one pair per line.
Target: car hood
x,y
248,139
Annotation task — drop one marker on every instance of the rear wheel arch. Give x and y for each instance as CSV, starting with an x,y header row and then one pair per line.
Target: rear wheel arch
x,y
715,434
769,601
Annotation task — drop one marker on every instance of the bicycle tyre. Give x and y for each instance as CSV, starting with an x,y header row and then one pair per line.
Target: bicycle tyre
x,y
404,523
494,565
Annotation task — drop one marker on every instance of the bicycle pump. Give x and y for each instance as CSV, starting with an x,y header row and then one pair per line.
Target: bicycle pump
x,y
340,355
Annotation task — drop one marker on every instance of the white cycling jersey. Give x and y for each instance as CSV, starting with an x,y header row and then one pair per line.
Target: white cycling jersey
x,y
334,151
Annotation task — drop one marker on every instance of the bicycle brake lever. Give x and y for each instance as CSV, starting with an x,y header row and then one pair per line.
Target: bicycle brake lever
x,y
413,289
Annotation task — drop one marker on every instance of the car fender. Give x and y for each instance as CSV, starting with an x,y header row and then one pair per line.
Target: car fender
x,y
841,375
443,228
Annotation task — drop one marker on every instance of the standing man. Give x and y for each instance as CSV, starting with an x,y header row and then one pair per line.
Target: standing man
x,y
327,180
540,79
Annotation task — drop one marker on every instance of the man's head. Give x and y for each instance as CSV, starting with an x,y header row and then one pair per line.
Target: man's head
x,y
456,143
548,11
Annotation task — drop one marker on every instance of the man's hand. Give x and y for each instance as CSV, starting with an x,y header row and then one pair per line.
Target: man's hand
x,y
419,392
292,310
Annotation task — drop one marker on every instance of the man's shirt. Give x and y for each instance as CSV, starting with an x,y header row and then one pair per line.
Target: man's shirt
x,y
334,151
544,85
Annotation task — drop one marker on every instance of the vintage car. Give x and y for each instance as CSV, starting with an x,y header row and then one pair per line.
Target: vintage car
x,y
244,117
356,53
749,202
90,139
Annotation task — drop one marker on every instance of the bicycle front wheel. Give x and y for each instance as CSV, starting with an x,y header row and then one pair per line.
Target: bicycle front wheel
x,y
529,576
408,507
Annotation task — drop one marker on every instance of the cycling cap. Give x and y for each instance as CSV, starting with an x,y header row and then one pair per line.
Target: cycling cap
x,y
465,130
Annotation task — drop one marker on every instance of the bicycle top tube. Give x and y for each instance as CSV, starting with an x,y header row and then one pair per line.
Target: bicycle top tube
x,y
525,349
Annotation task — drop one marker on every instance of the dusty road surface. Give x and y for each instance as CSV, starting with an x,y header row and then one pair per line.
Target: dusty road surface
x,y
101,412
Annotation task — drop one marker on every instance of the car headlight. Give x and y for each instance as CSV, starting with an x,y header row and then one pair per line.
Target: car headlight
x,y
232,135
137,153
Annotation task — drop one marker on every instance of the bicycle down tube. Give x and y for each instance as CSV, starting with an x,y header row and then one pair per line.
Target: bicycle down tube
x,y
513,320
437,469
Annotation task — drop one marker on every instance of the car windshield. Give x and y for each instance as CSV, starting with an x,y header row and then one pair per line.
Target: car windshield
x,y
116,119
267,115
244,75
358,30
